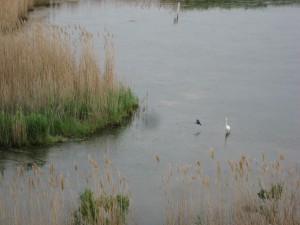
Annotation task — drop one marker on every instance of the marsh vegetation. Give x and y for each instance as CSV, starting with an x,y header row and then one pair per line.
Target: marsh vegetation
x,y
55,88
50,196
14,13
253,192
52,86
228,4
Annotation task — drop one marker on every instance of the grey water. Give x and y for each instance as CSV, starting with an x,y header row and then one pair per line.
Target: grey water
x,y
243,64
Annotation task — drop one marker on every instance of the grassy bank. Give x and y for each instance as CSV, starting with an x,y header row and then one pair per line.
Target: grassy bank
x,y
50,88
243,191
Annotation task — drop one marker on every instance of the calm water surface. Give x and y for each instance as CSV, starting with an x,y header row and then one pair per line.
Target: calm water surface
x,y
241,64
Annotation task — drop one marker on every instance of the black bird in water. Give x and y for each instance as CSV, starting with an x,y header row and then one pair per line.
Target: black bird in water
x,y
198,122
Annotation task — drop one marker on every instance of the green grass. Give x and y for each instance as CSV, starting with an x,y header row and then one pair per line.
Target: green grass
x,y
104,209
75,121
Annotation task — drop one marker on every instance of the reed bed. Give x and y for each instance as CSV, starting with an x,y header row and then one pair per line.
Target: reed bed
x,y
14,13
48,196
244,191
52,85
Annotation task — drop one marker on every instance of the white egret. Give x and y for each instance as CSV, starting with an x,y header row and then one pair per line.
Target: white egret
x,y
227,127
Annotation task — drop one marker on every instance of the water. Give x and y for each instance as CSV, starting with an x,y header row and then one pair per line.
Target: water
x,y
216,63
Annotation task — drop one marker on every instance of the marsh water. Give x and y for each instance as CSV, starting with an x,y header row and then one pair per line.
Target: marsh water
x,y
243,64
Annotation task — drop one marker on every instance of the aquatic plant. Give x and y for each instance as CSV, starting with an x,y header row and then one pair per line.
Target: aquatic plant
x,y
56,88
45,195
229,195
192,194
51,89
14,13
274,193
105,209
86,211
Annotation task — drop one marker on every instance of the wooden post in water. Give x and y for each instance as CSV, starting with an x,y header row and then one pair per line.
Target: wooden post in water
x,y
177,13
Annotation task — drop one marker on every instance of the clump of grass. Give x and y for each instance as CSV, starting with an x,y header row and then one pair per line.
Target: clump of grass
x,y
105,209
50,88
274,193
107,202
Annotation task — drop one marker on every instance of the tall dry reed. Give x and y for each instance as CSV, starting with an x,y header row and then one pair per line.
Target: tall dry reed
x,y
40,67
48,196
47,75
13,13
243,192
